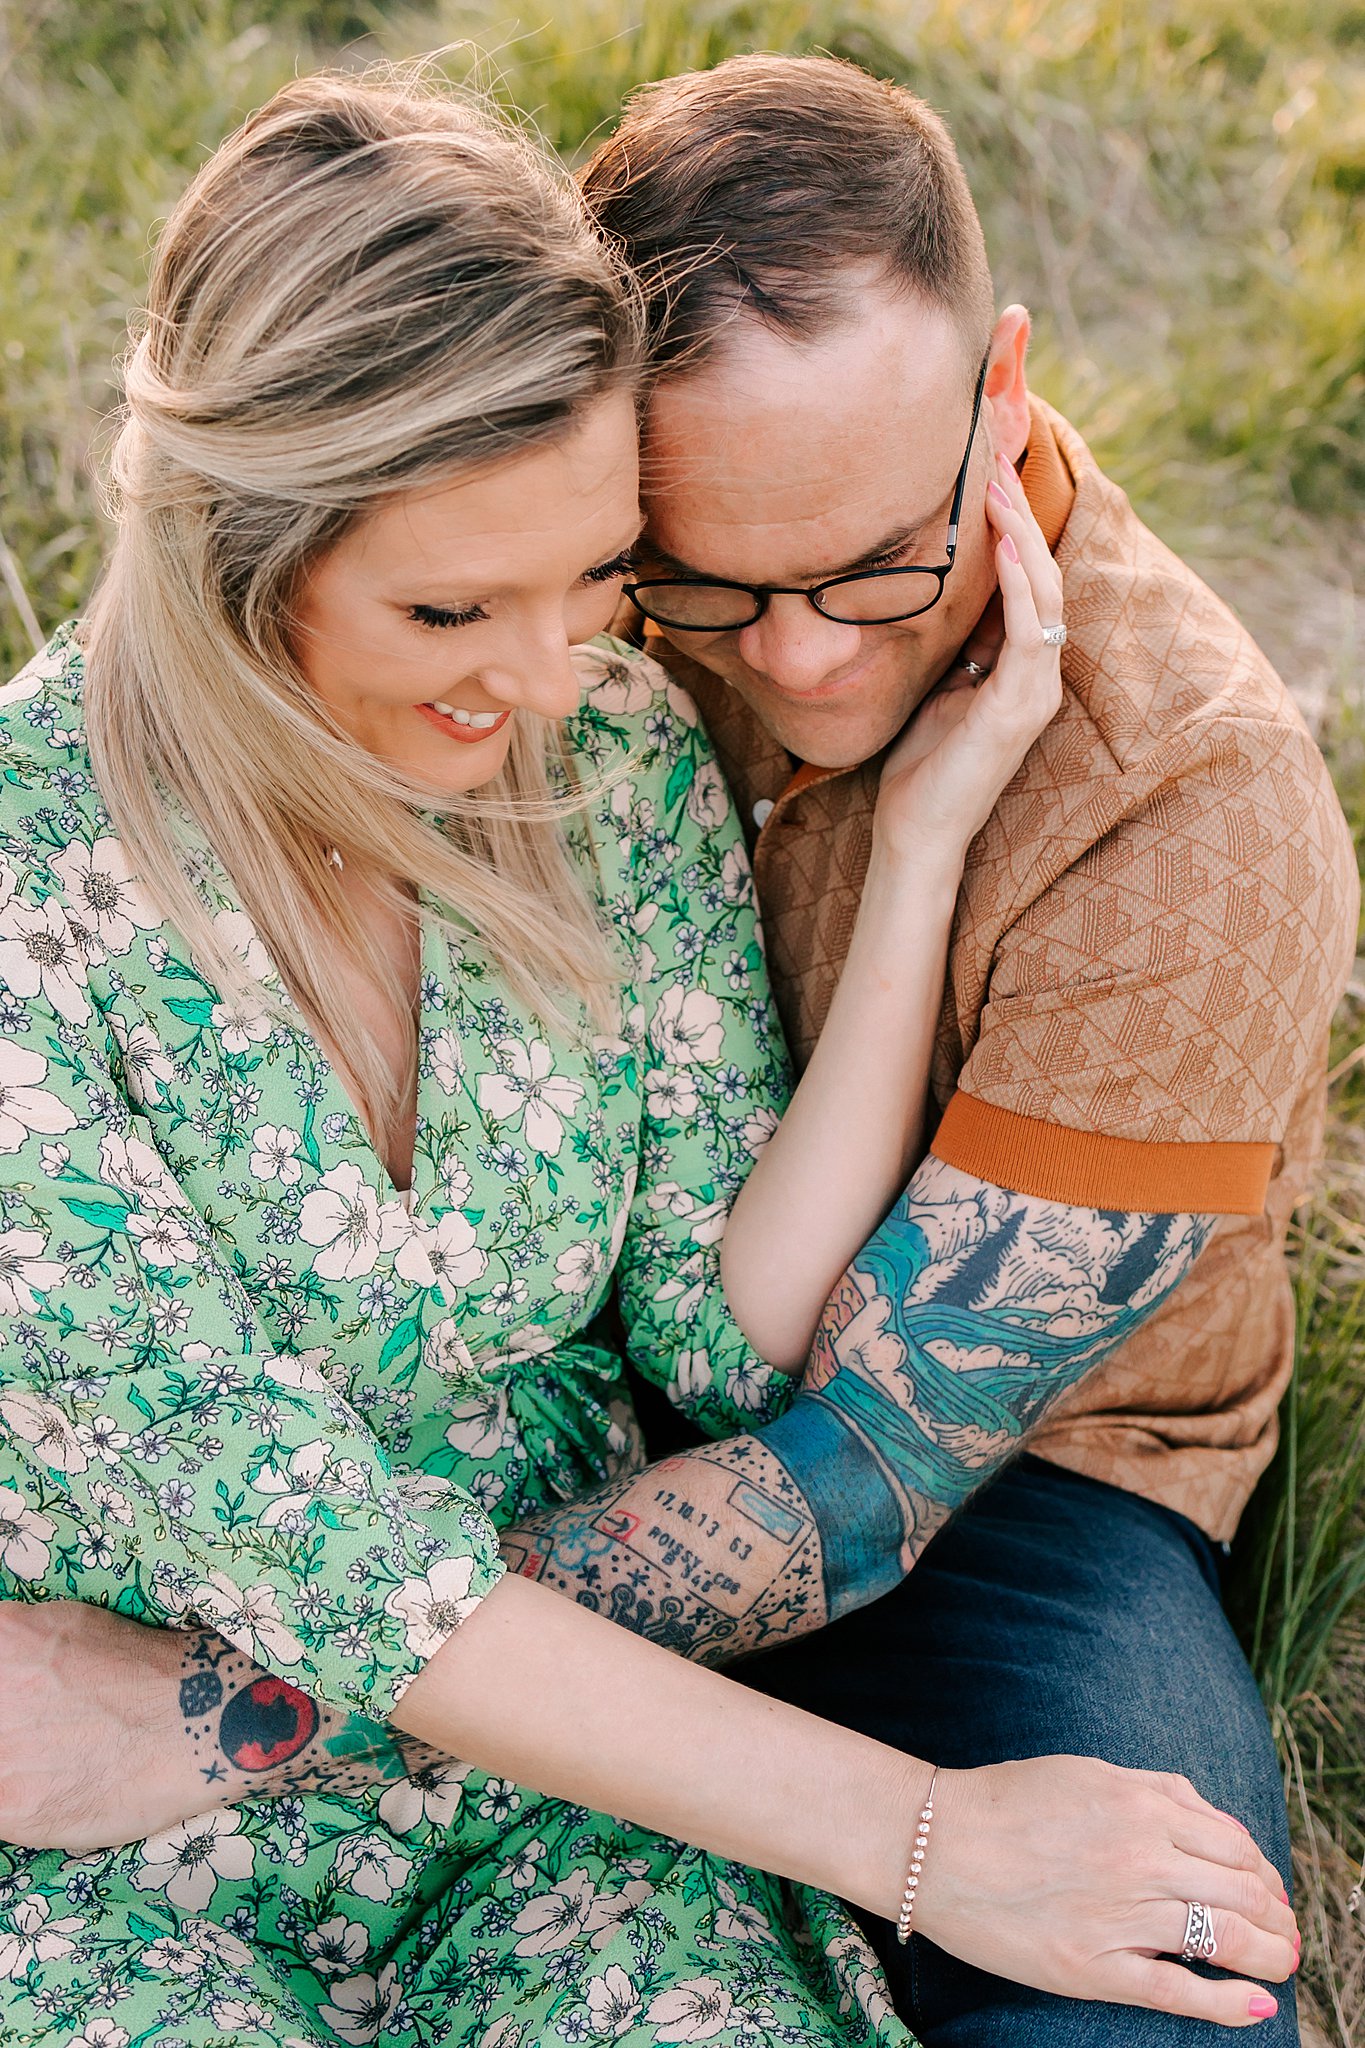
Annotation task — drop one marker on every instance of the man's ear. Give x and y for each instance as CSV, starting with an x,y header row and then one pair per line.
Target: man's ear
x,y
1007,384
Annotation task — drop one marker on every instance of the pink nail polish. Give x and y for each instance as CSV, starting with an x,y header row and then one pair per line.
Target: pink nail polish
x,y
999,497
1262,2006
1008,549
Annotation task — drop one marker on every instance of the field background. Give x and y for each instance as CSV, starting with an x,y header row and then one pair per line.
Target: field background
x,y
1178,192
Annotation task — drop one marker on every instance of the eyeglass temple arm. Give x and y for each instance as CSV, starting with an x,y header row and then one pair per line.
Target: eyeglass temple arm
x,y
961,490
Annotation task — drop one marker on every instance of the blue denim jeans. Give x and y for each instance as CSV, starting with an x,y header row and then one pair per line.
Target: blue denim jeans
x,y
1055,1614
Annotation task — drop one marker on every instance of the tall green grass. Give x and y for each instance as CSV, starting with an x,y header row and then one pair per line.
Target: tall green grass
x,y
1178,192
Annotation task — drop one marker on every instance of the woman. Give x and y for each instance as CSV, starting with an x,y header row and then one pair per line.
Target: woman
x,y
332,1102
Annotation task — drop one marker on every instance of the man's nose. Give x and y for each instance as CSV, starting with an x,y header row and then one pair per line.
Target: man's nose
x,y
796,647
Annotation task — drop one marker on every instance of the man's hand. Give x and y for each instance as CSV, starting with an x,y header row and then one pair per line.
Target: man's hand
x,y
111,1731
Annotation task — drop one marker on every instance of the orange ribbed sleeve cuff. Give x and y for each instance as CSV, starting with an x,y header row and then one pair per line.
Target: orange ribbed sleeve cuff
x,y
1089,1170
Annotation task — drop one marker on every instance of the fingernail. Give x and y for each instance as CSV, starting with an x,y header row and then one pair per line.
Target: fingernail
x,y
1285,1896
1008,549
1006,465
994,492
1262,2006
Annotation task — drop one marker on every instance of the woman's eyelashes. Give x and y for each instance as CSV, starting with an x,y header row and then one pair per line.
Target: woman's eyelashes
x,y
436,615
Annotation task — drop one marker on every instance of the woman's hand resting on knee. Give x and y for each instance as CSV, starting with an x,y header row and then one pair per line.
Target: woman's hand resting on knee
x,y
1074,1876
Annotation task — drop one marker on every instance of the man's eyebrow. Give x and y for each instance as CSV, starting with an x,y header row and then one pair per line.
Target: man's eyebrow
x,y
893,543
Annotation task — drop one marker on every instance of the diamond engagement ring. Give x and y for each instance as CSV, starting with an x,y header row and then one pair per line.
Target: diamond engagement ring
x,y
973,669
1054,636
1200,1946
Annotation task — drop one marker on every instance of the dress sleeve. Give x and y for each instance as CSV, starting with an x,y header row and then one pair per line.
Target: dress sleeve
x,y
156,1454
713,1072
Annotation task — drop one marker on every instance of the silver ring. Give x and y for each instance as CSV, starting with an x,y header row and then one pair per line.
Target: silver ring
x,y
1054,636
1200,1946
973,669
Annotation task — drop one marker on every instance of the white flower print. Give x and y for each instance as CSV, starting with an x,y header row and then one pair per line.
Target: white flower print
x,y
101,2034
235,2015
622,687
187,1861
524,1869
431,1608
240,936
366,1865
274,1154
248,1616
24,1105
689,1026
613,2001
23,1274
692,1373
24,1536
360,2005
670,1096
694,2010
708,800
612,1909
102,1438
758,1128
739,1919
113,1505
747,1384
35,1937
736,879
162,1240
706,1221
311,1477
41,1424
446,1352
685,1290
238,1026
432,1794
39,953
577,1269
338,1944
447,1061
442,1254
145,1059
555,1918
343,1216
106,898
137,1170
530,1090
481,1426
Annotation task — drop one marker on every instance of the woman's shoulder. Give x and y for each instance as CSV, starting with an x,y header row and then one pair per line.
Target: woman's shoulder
x,y
44,757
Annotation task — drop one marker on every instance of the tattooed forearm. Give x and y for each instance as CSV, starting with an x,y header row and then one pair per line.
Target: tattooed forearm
x,y
968,1314
255,1736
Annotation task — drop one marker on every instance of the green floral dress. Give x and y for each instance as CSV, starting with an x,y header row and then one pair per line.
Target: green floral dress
x,y
243,1380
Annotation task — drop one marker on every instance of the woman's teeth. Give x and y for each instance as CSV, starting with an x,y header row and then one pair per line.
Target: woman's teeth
x,y
479,719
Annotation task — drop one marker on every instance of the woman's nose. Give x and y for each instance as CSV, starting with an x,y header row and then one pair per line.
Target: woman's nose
x,y
795,646
539,675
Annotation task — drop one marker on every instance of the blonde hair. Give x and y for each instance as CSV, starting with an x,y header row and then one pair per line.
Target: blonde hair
x,y
374,282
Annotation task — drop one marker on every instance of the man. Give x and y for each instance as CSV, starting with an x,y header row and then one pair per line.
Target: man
x,y
1151,934
1152,929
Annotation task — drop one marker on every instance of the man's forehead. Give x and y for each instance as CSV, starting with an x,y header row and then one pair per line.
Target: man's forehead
x,y
782,462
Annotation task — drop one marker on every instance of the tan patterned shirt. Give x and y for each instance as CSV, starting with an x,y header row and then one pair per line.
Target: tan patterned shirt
x,y
1152,933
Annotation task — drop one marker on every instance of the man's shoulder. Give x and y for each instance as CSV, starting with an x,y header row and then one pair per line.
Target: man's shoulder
x,y
1156,662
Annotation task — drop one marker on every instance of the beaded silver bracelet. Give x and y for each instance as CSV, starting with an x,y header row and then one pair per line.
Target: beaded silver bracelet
x,y
926,1817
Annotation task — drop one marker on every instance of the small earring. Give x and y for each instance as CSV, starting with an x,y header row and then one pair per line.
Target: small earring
x,y
335,859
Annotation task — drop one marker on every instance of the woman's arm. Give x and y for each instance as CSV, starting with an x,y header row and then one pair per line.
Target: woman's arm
x,y
1061,1872
853,1132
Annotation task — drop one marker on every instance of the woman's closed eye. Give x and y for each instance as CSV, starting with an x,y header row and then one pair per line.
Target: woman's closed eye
x,y
436,615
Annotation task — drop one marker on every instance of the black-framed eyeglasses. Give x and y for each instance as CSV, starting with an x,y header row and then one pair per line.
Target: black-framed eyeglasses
x,y
869,597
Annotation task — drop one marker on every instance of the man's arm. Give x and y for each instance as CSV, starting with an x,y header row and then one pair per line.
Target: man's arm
x,y
968,1314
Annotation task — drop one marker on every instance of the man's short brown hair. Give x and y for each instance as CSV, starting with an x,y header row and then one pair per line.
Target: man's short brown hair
x,y
755,187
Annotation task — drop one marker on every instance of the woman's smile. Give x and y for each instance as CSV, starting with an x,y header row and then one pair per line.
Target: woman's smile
x,y
469,727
